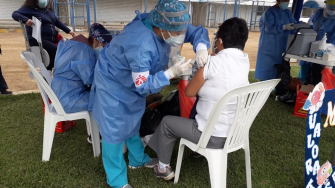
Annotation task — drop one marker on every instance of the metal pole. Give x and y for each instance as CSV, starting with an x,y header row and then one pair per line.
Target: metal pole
x,y
256,14
215,15
72,16
88,15
252,11
225,9
146,4
189,5
234,15
239,4
208,15
95,11
55,7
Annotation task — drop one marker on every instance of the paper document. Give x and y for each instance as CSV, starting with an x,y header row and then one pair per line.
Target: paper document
x,y
37,29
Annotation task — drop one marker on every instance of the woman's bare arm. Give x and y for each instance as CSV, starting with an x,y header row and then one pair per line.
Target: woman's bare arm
x,y
196,83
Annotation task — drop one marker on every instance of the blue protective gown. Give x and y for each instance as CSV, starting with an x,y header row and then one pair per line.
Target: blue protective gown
x,y
272,42
74,69
117,105
326,26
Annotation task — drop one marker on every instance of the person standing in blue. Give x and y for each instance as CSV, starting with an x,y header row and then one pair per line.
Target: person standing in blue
x,y
275,25
74,68
131,67
323,20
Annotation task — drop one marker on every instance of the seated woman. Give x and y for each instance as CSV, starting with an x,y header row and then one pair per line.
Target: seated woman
x,y
74,68
227,70
41,9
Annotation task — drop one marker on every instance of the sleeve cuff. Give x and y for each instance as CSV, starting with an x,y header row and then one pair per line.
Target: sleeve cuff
x,y
167,74
201,46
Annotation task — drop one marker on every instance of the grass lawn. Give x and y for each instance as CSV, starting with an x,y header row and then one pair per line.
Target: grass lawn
x,y
277,144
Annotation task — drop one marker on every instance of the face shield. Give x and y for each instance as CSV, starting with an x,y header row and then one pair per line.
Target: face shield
x,y
176,28
174,55
329,11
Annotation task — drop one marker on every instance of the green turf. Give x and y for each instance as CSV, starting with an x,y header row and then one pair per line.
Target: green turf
x,y
277,143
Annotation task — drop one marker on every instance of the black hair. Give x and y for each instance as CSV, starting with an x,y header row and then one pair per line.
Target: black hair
x,y
233,33
34,4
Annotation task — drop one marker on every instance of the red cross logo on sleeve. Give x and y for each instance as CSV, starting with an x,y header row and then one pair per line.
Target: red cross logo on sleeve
x,y
140,80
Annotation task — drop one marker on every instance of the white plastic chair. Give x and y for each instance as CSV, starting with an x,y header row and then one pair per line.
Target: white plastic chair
x,y
250,100
36,51
55,113
39,51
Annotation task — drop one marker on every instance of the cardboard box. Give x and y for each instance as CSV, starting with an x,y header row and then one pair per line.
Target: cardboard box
x,y
61,126
302,95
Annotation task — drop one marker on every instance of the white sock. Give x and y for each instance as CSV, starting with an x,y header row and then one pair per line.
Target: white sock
x,y
162,166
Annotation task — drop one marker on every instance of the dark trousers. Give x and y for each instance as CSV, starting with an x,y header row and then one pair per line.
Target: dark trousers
x,y
50,47
3,84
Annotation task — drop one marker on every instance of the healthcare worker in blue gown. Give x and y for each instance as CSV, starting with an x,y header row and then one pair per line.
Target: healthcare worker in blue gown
x,y
275,25
74,68
131,67
324,21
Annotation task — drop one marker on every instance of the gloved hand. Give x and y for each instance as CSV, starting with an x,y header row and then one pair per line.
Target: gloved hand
x,y
201,58
178,69
288,26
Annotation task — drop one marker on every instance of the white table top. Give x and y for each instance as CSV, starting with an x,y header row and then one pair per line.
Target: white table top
x,y
313,60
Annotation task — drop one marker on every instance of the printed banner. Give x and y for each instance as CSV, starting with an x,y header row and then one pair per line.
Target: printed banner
x,y
316,176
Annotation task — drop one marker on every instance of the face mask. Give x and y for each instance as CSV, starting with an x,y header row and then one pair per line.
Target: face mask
x,y
283,5
214,47
331,12
98,50
42,3
174,41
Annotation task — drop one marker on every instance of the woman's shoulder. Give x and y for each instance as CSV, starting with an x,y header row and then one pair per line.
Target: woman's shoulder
x,y
271,9
26,9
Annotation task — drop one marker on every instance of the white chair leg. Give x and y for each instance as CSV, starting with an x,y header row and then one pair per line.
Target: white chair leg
x,y
248,166
179,161
94,135
88,127
48,136
217,163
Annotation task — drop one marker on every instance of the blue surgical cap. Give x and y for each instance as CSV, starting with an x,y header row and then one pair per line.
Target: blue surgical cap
x,y
169,6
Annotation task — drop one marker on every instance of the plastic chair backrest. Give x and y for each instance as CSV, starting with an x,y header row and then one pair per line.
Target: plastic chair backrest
x,y
36,50
37,63
250,100
24,31
45,89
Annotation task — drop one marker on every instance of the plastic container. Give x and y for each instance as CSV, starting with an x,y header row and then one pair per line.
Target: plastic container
x,y
302,95
302,44
322,47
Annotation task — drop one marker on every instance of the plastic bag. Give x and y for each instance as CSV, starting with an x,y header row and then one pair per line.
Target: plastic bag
x,y
170,106
150,121
328,79
153,100
314,75
186,103
283,72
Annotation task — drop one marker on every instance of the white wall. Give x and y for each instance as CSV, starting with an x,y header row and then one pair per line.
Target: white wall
x,y
200,13
7,7
117,10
